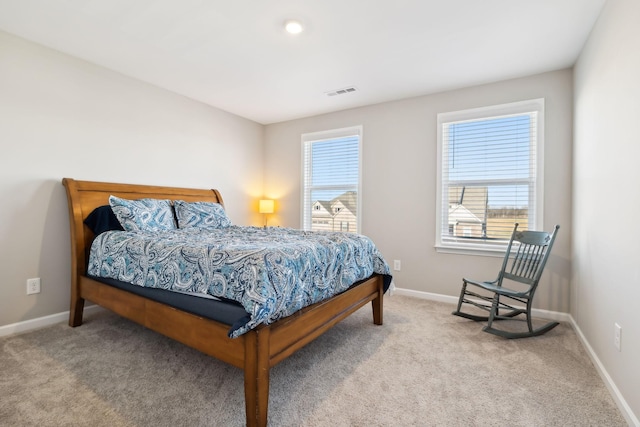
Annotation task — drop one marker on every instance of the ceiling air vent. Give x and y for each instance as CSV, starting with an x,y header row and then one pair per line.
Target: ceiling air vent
x,y
341,91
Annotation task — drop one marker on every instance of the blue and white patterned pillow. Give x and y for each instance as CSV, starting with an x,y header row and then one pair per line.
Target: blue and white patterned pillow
x,y
143,214
201,214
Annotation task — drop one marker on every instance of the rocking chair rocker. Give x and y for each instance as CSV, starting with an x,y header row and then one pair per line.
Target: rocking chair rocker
x,y
524,261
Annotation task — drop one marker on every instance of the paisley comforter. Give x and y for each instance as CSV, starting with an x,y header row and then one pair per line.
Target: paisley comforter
x,y
273,272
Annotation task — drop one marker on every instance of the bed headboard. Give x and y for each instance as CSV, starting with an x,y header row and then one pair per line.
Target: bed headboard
x,y
84,196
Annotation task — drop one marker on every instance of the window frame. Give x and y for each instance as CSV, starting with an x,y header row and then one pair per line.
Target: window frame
x,y
471,247
307,139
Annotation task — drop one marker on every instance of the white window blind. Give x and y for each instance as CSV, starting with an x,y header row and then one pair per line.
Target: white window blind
x,y
331,180
489,176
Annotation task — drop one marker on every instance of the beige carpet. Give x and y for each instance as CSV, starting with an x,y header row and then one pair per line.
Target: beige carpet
x,y
423,367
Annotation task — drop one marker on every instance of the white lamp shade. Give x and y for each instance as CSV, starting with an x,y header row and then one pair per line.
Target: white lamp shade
x,y
266,206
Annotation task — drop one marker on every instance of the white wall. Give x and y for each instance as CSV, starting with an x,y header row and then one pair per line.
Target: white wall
x,y
606,197
63,117
399,180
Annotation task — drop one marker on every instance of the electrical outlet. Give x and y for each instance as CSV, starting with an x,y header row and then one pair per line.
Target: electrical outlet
x,y
617,336
33,286
397,264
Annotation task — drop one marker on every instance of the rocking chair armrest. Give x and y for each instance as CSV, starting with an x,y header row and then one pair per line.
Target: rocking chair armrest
x,y
483,284
501,290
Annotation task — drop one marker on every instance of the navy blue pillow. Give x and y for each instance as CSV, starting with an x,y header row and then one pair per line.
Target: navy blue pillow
x,y
102,219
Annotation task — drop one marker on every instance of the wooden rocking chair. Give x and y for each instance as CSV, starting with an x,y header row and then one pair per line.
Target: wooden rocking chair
x,y
524,261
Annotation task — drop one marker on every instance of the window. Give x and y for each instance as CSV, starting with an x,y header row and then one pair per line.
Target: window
x,y
489,175
331,180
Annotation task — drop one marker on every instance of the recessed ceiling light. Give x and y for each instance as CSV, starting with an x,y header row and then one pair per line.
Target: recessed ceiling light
x,y
293,27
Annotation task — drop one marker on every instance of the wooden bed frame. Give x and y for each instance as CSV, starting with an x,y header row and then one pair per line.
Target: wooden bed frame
x,y
255,351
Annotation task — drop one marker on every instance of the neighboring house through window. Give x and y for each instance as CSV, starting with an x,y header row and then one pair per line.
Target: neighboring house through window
x,y
331,180
489,175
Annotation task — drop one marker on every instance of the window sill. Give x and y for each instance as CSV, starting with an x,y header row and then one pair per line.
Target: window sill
x,y
475,250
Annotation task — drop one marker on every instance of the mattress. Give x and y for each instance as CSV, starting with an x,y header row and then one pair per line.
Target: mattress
x,y
271,272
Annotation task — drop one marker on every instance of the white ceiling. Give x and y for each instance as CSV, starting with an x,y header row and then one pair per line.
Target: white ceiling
x,y
235,55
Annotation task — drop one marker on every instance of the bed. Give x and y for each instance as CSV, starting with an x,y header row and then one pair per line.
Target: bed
x,y
255,350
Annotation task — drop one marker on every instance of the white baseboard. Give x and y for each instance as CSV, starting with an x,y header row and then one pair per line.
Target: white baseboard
x,y
41,322
557,316
613,390
543,314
